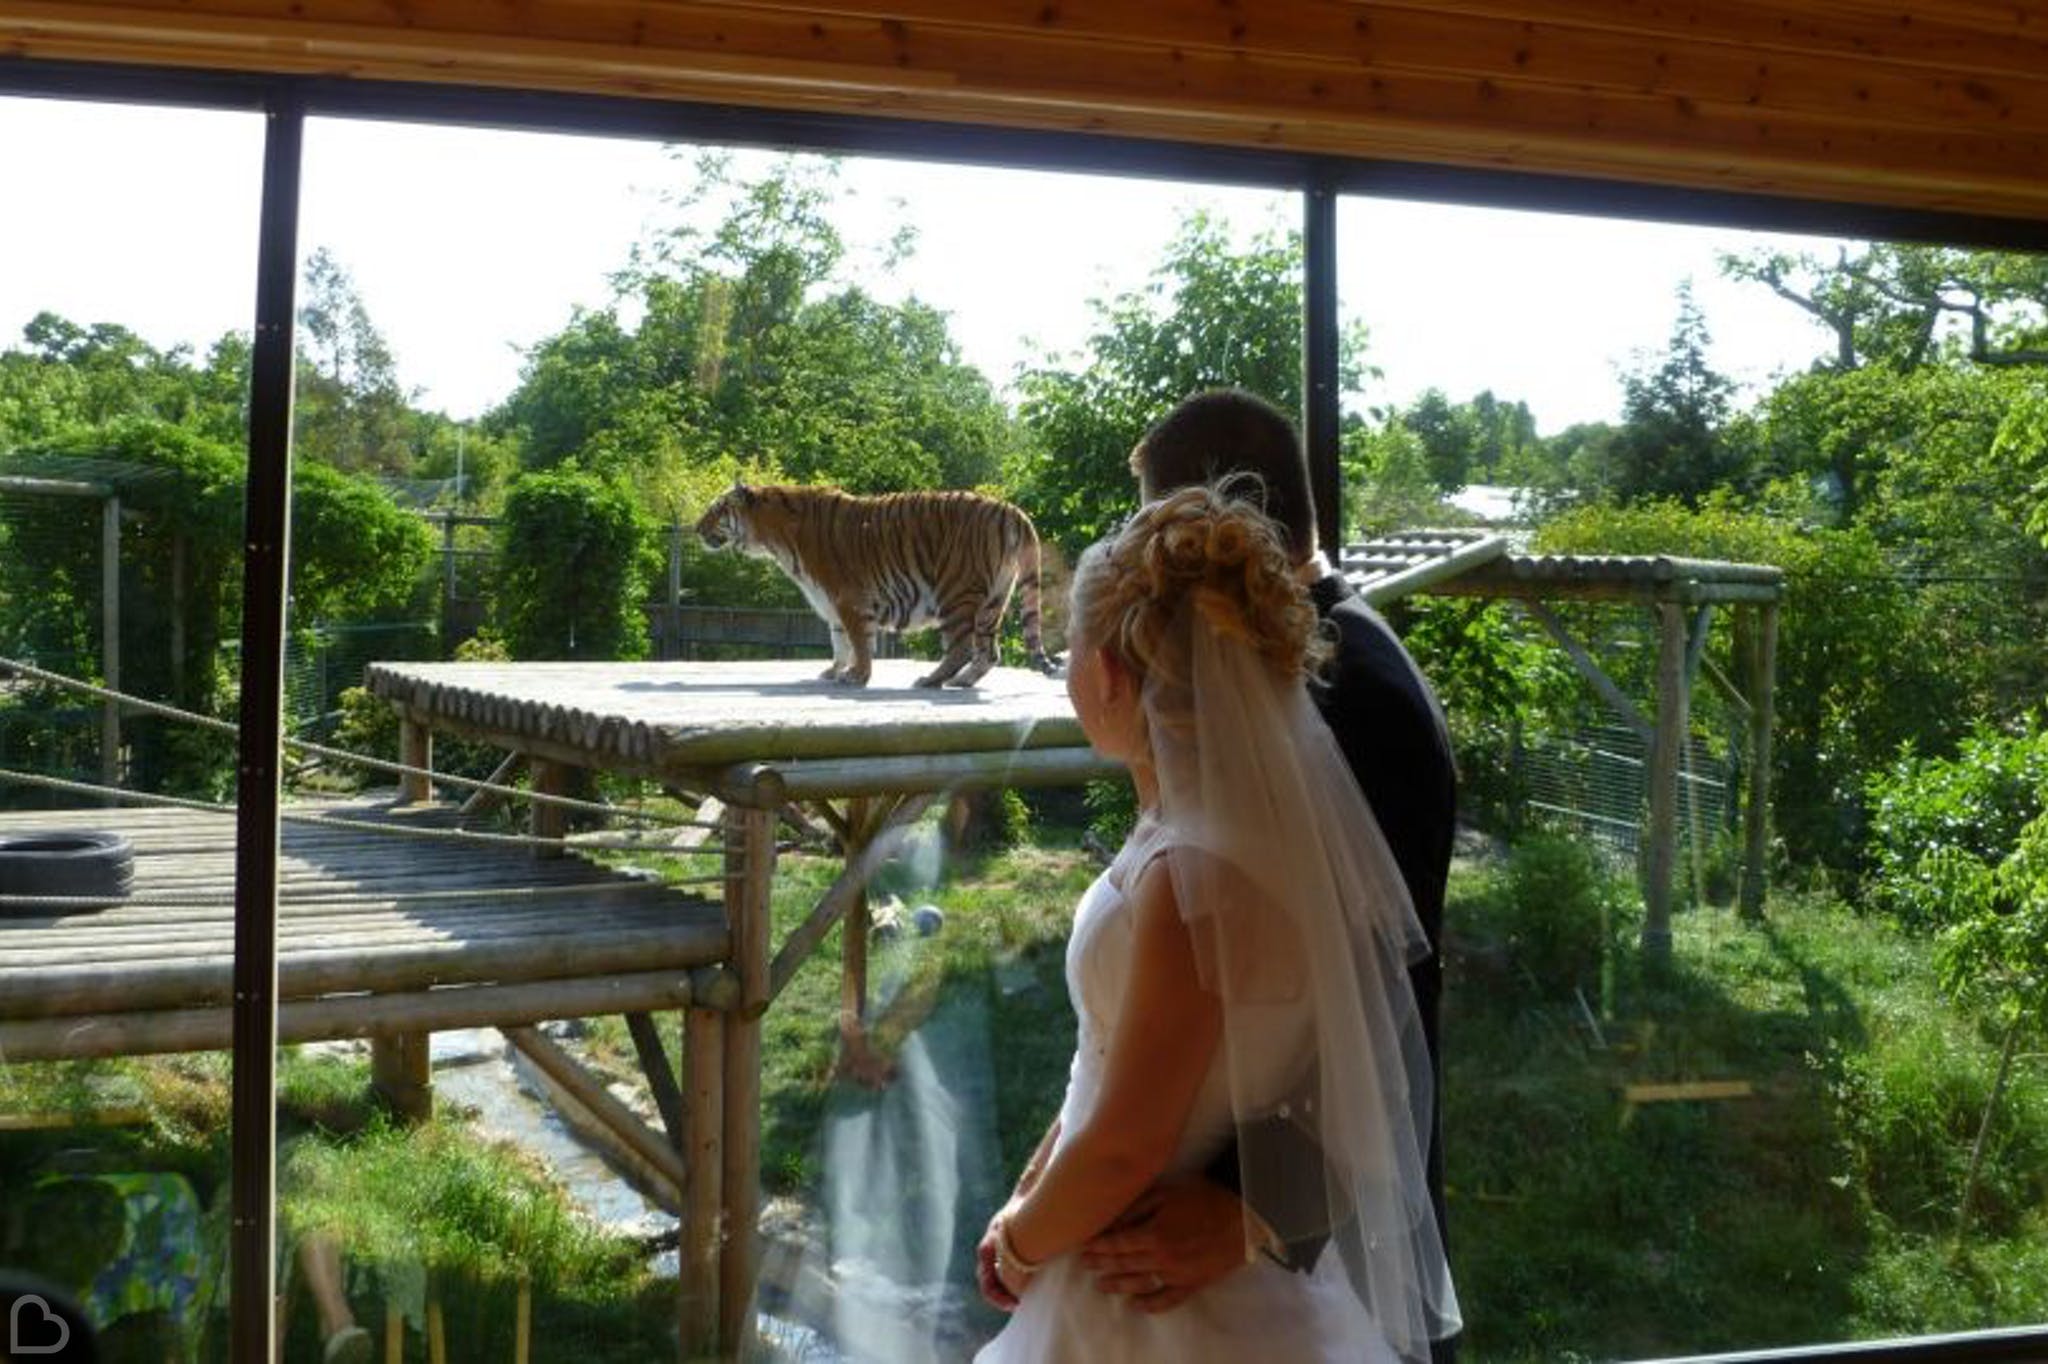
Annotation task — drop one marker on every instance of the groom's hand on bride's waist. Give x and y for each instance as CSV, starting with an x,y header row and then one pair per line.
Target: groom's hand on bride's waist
x,y
1175,1241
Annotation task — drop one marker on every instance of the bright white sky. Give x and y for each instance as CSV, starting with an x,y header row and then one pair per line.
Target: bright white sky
x,y
468,245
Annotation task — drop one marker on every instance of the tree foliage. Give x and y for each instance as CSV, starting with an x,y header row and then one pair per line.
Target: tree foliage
x,y
740,341
1213,315
574,558
351,411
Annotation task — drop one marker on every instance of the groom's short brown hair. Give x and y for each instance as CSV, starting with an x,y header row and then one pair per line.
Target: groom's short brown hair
x,y
1226,431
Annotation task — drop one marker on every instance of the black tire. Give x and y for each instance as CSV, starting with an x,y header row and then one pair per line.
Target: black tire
x,y
68,862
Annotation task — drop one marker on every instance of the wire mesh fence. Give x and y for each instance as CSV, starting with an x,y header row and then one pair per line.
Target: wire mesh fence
x,y
322,663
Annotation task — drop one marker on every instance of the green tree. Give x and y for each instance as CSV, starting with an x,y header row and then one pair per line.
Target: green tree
x,y
1902,306
1997,955
1213,315
1387,480
574,558
749,346
67,376
352,412
1671,442
1449,435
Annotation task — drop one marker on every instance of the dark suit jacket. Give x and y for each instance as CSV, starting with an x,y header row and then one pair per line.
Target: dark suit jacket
x,y
1392,733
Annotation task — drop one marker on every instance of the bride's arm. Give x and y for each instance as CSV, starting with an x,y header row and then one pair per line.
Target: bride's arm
x,y
1159,1054
1035,1166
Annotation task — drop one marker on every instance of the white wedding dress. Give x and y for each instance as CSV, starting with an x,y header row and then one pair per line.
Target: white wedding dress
x,y
1260,1312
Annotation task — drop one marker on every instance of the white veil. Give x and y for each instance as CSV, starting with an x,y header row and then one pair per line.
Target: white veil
x,y
1303,928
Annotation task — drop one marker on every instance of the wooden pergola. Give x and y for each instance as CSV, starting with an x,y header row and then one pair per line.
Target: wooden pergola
x,y
1682,596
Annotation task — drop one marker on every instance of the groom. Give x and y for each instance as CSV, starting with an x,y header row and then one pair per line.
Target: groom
x,y
1180,1237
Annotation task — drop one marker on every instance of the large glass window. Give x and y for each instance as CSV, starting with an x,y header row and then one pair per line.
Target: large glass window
x,y
125,309
1685,1110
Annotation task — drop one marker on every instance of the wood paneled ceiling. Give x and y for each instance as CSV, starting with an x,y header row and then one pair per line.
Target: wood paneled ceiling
x,y
1940,105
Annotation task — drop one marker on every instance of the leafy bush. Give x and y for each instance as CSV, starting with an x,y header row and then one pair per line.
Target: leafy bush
x,y
1940,825
1909,1109
1499,686
1557,913
575,557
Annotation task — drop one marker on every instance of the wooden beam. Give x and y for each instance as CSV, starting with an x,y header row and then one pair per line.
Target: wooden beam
x,y
163,1031
1616,699
1729,691
750,871
1756,823
817,778
1567,96
586,1090
833,905
703,1229
1666,741
481,801
661,1077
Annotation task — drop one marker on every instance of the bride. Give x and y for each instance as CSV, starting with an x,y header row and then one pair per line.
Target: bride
x,y
1240,975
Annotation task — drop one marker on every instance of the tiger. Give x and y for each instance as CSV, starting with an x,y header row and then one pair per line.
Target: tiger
x,y
894,561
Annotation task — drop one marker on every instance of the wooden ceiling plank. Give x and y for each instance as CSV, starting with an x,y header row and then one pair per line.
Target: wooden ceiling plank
x,y
1583,59
1317,27
1744,129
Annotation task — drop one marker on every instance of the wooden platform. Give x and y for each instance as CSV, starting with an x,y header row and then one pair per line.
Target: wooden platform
x,y
379,933
674,721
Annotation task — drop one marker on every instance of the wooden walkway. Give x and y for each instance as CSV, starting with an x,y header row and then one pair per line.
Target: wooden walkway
x,y
379,933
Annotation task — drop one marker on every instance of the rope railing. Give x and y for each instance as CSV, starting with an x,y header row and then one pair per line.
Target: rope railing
x,y
495,894
580,843
148,707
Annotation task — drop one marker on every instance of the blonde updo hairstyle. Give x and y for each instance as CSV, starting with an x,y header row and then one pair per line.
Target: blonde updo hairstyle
x,y
1206,549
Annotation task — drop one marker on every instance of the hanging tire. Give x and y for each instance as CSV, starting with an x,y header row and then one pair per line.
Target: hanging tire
x,y
84,864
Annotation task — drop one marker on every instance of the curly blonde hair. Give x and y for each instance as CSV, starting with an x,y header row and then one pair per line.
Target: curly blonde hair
x,y
1205,548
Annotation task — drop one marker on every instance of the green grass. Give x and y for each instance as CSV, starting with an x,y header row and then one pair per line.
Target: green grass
x,y
416,1209
1820,1208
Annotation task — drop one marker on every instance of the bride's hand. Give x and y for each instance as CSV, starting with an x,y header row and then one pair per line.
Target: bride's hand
x,y
988,1277
1013,1273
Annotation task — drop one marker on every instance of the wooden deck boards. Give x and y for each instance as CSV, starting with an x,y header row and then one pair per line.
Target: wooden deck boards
x,y
365,917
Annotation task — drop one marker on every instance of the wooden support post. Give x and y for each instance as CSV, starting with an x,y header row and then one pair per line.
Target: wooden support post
x,y
1666,741
750,872
1762,683
546,819
853,932
482,802
178,595
635,1138
415,749
703,1231
661,1080
110,641
673,643
401,1075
